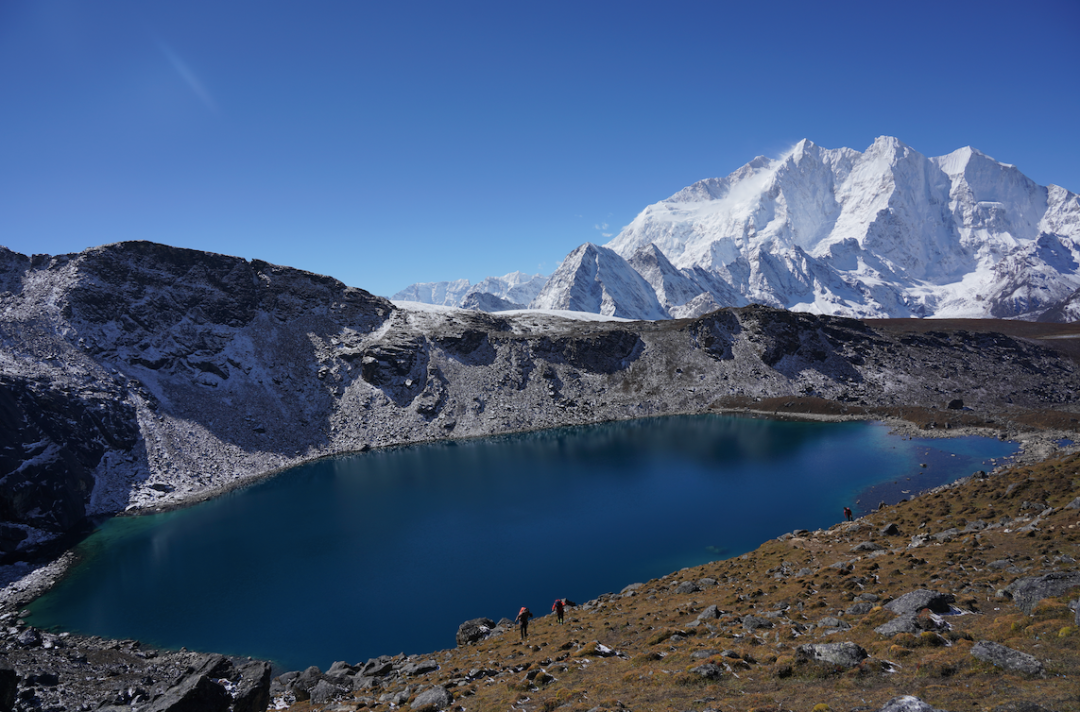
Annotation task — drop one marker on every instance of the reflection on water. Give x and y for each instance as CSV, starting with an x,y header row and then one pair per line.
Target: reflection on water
x,y
388,551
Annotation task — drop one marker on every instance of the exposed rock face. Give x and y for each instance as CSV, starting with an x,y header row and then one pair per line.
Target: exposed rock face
x,y
138,376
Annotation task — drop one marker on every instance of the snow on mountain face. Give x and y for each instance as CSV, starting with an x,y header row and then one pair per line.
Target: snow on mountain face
x,y
447,294
888,232
511,291
596,279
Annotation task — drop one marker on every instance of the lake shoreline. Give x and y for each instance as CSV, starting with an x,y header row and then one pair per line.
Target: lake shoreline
x,y
17,589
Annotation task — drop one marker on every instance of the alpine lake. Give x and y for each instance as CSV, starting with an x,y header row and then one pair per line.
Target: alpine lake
x,y
388,551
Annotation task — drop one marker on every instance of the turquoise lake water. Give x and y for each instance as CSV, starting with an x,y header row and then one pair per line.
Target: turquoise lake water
x,y
389,551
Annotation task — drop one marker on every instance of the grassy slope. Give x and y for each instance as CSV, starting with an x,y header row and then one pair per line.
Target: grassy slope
x,y
650,627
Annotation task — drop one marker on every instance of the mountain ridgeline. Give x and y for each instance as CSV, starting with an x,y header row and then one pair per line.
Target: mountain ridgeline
x,y
137,376
888,233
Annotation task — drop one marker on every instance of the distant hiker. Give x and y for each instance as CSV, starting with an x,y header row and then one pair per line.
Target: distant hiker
x,y
847,513
522,619
558,608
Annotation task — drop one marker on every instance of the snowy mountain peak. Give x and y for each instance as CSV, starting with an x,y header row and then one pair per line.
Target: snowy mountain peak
x,y
887,232
596,279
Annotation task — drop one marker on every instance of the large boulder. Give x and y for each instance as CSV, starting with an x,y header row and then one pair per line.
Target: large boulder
x,y
195,693
1026,592
433,698
325,691
915,601
709,671
846,655
1007,658
476,629
252,693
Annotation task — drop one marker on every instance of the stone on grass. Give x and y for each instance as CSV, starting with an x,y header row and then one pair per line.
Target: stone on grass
x,y
1027,592
1007,658
474,630
915,601
433,698
709,671
846,655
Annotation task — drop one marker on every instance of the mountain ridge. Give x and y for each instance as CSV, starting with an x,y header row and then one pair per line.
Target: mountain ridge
x,y
886,233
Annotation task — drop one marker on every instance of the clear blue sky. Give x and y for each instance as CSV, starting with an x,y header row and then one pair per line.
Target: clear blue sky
x,y
386,143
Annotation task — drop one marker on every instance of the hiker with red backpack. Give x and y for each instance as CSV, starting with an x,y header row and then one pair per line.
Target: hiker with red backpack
x,y
522,619
558,608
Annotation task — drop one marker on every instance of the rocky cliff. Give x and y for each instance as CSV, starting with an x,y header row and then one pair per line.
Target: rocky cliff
x,y
136,376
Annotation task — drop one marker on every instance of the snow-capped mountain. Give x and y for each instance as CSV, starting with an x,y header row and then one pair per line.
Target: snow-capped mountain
x,y
888,232
596,279
884,233
511,291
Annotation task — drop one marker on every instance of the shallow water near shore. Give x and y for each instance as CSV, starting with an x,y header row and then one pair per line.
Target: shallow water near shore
x,y
389,551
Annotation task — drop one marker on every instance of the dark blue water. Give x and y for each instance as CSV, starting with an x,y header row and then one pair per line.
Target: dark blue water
x,y
388,551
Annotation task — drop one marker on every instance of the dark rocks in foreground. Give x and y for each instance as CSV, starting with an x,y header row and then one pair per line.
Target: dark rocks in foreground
x,y
44,671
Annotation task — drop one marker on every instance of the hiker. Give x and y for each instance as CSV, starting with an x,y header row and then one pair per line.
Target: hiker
x,y
847,513
558,608
523,617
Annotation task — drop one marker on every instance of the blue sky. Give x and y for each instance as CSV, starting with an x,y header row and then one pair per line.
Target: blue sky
x,y
390,143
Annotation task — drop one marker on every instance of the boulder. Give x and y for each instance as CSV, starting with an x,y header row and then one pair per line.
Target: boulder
x,y
754,622
913,623
1007,658
687,587
473,630
302,684
709,671
252,693
846,655
834,623
915,601
433,698
1026,592
325,691
859,608
904,623
194,693
419,668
